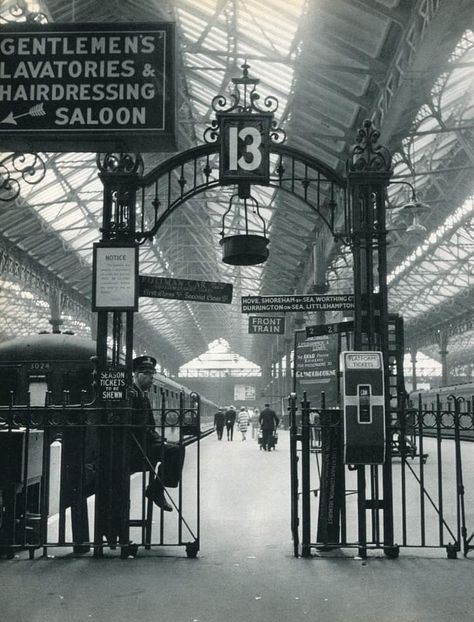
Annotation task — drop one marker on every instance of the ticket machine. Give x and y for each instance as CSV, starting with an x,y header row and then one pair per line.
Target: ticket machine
x,y
363,403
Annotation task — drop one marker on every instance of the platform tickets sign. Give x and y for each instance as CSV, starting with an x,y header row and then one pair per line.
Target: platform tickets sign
x,y
87,87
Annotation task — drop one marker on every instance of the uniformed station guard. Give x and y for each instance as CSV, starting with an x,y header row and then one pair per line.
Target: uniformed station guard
x,y
148,448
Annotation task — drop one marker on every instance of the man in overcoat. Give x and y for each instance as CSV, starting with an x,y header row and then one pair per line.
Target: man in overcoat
x,y
269,421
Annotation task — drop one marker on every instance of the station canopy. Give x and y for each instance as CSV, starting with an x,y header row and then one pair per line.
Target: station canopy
x,y
407,66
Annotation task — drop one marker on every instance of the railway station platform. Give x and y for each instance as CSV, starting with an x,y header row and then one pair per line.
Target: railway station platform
x,y
245,570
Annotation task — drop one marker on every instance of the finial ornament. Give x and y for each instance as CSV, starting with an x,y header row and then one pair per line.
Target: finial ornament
x,y
120,163
366,155
244,99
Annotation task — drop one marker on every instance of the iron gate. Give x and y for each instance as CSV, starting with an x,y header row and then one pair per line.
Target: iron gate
x,y
431,507
53,466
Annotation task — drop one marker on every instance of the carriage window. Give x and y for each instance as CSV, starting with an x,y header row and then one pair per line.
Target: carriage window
x,y
76,381
37,388
9,383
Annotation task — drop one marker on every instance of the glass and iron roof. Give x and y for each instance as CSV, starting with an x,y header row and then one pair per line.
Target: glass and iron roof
x,y
331,64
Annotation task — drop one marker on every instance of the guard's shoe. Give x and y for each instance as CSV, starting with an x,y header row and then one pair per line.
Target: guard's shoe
x,y
159,499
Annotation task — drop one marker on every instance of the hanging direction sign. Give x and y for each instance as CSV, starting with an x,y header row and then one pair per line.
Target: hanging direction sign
x,y
87,87
184,289
267,325
329,329
266,304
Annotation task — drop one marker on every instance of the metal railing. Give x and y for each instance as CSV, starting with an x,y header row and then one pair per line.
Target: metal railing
x,y
65,474
431,506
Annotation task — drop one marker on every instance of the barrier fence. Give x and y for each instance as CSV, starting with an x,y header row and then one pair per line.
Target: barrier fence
x,y
429,451
66,480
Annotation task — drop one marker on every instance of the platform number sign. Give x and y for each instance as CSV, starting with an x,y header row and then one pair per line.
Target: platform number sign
x,y
245,148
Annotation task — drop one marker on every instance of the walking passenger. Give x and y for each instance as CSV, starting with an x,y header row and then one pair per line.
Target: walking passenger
x,y
268,423
255,424
230,416
219,420
243,420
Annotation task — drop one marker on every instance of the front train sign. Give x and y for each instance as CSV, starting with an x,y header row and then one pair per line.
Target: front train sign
x,y
87,87
267,325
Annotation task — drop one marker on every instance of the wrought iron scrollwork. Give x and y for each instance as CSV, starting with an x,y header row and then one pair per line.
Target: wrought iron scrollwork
x,y
19,13
16,168
366,155
244,99
120,163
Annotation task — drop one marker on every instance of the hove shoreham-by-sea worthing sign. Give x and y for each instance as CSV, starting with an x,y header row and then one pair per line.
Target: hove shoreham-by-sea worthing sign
x,y
87,87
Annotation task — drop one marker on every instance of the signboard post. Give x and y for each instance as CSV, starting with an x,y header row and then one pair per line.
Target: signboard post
x,y
87,87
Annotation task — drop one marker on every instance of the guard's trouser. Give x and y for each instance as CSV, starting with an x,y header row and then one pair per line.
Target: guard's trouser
x,y
171,459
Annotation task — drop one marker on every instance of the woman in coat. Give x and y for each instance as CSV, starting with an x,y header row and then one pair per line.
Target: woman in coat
x,y
243,420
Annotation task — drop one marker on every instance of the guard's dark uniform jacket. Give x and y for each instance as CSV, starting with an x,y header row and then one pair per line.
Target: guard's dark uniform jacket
x,y
147,442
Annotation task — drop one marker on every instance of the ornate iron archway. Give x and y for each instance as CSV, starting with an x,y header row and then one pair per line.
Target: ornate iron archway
x,y
194,171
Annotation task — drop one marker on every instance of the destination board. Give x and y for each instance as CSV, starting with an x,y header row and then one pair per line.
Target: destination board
x,y
184,289
266,304
87,87
329,329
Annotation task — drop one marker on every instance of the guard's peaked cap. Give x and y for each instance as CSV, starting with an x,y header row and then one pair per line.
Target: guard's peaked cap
x,y
144,363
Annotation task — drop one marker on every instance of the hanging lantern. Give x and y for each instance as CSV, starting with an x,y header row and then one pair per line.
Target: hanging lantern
x,y
244,249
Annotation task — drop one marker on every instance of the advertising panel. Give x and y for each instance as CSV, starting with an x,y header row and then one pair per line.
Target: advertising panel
x,y
316,358
243,392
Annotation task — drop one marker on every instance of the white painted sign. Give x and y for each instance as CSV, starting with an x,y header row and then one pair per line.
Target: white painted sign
x,y
115,278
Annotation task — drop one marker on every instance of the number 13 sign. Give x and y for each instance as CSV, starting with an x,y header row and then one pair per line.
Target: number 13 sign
x,y
245,148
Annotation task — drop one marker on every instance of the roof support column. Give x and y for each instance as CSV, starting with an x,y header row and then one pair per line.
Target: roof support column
x,y
413,353
443,340
369,172
119,174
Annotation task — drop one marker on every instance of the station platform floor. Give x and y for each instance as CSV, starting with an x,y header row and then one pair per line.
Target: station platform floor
x,y
245,570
